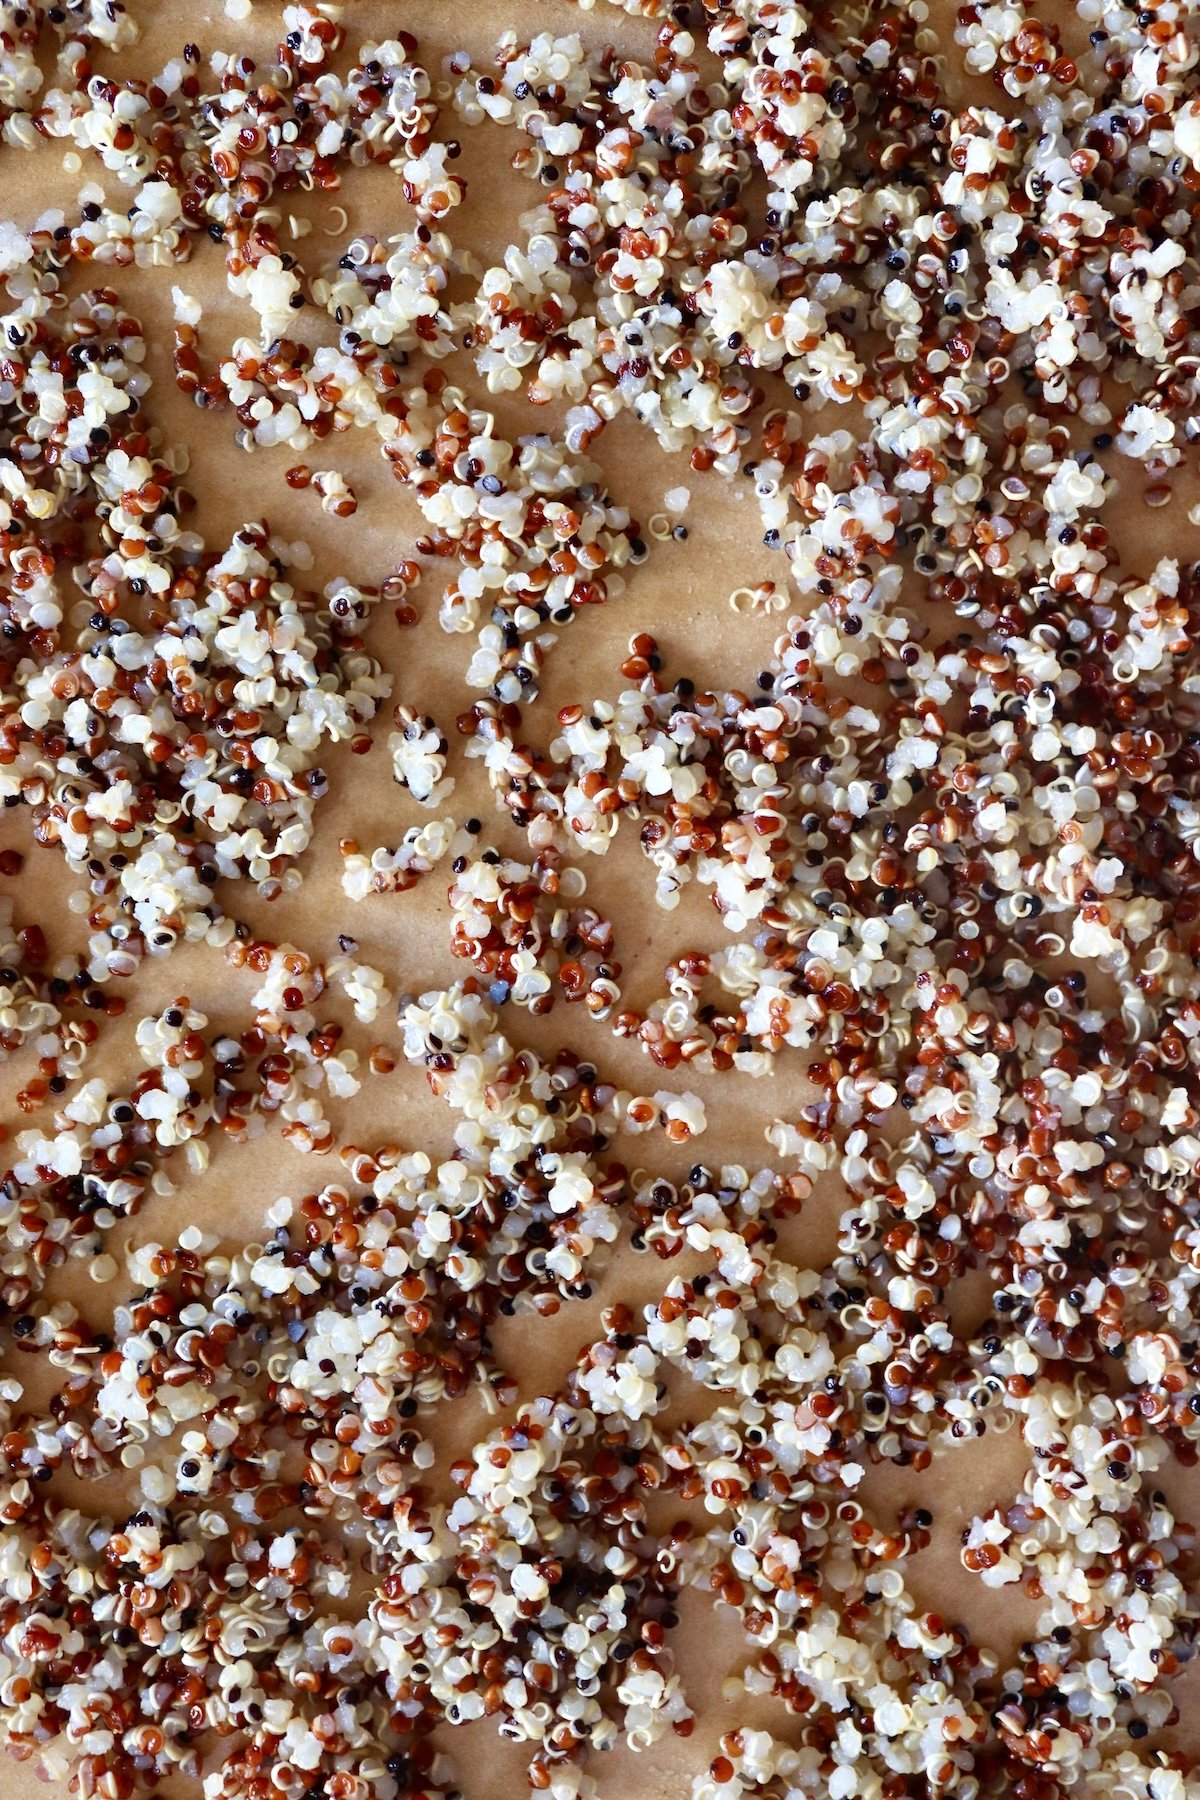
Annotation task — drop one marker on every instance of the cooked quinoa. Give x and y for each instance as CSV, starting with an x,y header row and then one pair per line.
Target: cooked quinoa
x,y
933,307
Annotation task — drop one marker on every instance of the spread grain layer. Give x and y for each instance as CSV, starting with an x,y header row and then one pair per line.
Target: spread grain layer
x,y
599,899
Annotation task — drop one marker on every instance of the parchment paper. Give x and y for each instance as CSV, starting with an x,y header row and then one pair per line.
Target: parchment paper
x,y
681,596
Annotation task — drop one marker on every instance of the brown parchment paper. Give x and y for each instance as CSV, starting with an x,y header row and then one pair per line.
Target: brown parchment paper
x,y
681,596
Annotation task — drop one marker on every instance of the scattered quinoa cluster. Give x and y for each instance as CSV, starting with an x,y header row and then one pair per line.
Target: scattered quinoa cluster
x,y
950,831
